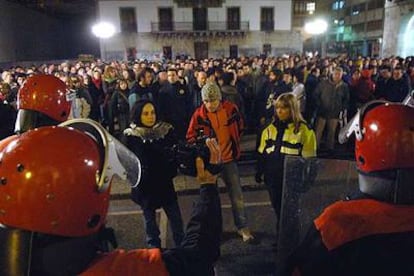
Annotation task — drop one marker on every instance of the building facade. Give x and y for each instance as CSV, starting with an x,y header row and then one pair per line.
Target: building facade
x,y
398,28
360,27
156,29
355,27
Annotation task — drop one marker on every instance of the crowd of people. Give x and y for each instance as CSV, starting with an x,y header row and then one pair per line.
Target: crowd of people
x,y
324,87
294,105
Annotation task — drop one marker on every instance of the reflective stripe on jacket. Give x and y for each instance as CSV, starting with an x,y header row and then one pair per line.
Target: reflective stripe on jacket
x,y
301,142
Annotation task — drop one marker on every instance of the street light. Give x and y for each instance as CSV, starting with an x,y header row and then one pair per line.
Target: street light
x,y
103,30
318,27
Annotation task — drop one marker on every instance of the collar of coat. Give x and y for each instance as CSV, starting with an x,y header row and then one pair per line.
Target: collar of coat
x,y
158,131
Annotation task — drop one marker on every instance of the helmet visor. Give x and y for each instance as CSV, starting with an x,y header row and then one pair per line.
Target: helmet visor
x,y
409,100
117,160
123,162
25,120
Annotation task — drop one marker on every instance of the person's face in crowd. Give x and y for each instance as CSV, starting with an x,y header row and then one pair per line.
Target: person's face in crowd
x,y
246,69
272,76
337,76
20,80
240,73
81,71
180,73
112,73
397,74
7,77
287,78
172,76
385,73
211,106
204,65
283,112
317,73
201,79
123,85
96,75
148,78
65,69
356,75
394,63
162,77
148,116
73,70
136,67
125,74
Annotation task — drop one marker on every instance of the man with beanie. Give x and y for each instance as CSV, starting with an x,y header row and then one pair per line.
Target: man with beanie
x,y
222,120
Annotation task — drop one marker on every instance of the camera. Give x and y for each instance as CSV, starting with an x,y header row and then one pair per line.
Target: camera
x,y
186,154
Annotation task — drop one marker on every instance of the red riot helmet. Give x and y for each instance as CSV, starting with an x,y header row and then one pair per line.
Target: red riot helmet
x,y
56,179
42,95
384,147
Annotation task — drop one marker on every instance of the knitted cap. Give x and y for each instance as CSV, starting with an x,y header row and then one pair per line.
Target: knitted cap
x,y
210,92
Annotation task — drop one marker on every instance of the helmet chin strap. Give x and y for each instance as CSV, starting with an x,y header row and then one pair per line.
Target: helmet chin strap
x,y
392,186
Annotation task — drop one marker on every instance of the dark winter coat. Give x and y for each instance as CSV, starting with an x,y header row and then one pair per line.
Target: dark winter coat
x,y
159,168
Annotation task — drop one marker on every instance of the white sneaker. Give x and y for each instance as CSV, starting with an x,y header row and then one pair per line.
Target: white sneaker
x,y
246,235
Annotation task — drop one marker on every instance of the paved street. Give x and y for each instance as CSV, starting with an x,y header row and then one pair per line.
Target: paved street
x,y
237,257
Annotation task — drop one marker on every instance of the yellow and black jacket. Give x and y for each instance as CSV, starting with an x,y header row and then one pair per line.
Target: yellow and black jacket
x,y
284,138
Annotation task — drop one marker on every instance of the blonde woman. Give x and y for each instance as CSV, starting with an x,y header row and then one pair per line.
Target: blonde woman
x,y
286,134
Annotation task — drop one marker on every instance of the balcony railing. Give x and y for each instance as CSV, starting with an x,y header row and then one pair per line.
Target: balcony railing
x,y
193,27
267,26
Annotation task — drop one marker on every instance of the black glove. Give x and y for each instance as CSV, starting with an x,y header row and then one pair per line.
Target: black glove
x,y
258,177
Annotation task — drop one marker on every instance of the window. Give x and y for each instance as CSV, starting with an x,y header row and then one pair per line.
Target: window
x,y
299,8
375,4
310,7
233,18
199,19
266,19
338,5
358,8
128,20
358,28
374,25
165,16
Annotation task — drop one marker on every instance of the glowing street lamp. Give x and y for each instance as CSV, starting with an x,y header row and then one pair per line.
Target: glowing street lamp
x,y
103,30
316,27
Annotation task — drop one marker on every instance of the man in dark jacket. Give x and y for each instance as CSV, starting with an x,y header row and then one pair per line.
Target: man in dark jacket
x,y
311,82
174,102
331,97
398,86
371,232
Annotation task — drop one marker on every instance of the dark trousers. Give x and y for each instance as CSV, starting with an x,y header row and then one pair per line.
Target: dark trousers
x,y
173,213
274,184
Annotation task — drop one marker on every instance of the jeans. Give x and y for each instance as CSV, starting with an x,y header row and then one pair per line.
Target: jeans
x,y
231,178
173,213
331,124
